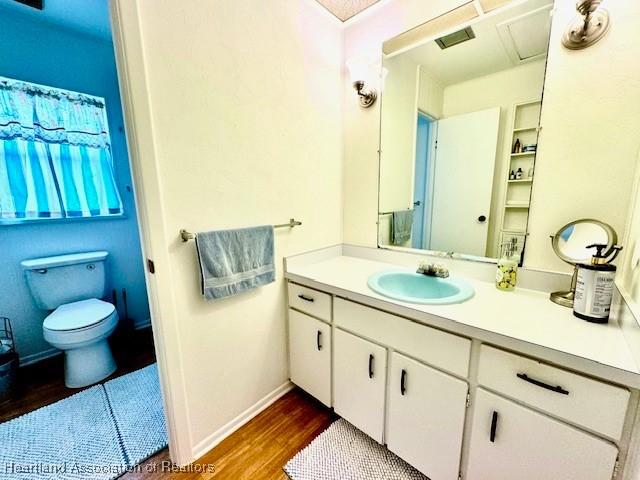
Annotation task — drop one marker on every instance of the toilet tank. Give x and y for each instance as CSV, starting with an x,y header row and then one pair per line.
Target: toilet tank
x,y
54,281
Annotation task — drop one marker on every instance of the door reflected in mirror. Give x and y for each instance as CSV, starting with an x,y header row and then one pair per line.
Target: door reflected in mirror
x,y
459,134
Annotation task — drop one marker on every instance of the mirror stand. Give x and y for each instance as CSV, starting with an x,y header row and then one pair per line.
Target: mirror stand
x,y
566,298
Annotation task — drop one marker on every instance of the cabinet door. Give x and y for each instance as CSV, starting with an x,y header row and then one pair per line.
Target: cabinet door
x,y
509,441
310,355
426,416
359,376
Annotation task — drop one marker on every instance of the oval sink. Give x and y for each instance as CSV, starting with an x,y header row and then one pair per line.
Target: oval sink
x,y
417,288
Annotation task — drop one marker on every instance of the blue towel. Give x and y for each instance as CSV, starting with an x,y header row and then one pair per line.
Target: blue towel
x,y
401,223
233,261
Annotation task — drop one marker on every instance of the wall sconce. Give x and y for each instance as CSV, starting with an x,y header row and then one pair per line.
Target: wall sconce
x,y
587,29
360,70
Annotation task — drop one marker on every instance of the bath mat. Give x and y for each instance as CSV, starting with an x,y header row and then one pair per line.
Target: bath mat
x,y
136,404
96,434
63,441
342,452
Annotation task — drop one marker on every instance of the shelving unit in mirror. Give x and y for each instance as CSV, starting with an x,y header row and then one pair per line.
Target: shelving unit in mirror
x,y
521,159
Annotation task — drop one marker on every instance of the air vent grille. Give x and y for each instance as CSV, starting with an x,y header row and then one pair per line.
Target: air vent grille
x,y
455,38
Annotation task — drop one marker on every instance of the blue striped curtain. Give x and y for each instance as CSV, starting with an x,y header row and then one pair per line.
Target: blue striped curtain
x,y
55,154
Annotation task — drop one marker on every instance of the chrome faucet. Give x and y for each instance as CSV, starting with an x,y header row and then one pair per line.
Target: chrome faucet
x,y
433,270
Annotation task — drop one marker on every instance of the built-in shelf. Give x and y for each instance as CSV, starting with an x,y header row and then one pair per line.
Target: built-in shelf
x,y
514,232
525,129
517,205
523,154
522,180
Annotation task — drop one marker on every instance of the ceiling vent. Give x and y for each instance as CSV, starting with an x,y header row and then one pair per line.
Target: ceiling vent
x,y
456,38
32,3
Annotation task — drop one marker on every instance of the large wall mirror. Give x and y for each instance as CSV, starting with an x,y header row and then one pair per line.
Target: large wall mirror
x,y
459,134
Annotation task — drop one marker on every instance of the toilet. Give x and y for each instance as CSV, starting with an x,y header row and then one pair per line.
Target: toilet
x,y
71,286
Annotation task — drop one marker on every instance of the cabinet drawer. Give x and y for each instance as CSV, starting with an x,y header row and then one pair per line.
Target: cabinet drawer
x,y
310,301
310,355
443,350
595,405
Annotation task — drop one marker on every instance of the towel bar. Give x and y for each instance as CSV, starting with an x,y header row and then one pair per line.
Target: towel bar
x,y
186,236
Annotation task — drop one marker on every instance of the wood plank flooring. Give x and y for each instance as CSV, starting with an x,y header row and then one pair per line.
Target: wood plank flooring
x,y
42,383
256,451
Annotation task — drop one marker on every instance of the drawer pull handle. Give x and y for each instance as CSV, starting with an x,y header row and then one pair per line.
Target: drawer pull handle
x,y
305,298
318,337
538,383
494,426
371,366
403,384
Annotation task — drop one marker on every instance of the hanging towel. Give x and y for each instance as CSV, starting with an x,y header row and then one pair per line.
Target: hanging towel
x,y
401,223
233,261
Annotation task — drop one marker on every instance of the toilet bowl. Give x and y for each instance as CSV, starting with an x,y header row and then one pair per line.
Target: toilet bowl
x,y
80,330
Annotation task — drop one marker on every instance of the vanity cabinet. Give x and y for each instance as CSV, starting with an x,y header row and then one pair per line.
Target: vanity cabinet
x,y
454,407
426,414
310,355
359,379
509,441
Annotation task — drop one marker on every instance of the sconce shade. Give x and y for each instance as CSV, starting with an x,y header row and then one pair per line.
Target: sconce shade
x,y
359,69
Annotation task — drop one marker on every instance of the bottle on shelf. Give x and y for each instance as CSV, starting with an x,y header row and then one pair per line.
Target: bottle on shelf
x,y
519,174
512,175
517,147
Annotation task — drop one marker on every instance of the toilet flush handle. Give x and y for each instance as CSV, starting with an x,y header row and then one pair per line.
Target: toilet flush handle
x,y
41,271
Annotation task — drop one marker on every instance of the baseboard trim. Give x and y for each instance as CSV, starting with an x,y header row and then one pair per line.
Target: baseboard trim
x,y
37,357
216,437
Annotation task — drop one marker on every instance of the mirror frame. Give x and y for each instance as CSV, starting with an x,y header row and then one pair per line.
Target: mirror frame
x,y
555,239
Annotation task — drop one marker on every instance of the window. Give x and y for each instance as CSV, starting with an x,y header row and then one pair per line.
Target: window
x,y
55,155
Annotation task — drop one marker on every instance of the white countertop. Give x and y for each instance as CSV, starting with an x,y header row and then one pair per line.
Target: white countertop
x,y
522,320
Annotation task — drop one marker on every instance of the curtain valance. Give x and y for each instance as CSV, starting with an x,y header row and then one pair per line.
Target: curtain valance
x,y
51,115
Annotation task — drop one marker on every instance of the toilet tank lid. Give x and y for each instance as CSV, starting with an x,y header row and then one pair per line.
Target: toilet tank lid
x,y
62,260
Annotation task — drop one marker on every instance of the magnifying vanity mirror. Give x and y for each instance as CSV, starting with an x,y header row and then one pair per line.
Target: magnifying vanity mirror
x,y
571,244
459,132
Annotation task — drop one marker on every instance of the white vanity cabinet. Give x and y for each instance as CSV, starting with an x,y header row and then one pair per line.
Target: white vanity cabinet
x,y
452,406
359,379
426,416
310,355
509,441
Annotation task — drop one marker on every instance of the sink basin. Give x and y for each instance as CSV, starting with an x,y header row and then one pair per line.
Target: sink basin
x,y
417,288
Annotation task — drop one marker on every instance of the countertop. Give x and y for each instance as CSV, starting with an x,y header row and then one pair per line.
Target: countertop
x,y
523,320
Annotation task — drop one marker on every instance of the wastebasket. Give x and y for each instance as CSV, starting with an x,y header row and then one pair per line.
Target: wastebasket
x,y
8,361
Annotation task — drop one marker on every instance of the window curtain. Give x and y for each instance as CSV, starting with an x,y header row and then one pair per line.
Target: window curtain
x,y
55,154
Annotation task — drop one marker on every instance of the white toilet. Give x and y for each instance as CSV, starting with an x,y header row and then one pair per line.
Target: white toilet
x,y
72,286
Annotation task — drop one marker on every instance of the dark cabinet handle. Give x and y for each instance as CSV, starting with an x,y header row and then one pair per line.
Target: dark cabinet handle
x,y
494,425
538,383
318,337
403,380
305,298
371,366
482,218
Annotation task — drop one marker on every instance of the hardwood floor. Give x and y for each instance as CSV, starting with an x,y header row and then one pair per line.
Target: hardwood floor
x,y
256,451
42,383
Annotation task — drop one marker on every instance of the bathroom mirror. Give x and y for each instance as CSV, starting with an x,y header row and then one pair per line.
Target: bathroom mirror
x,y
571,243
459,132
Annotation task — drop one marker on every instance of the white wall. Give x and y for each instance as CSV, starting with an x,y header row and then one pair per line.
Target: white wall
x,y
501,89
430,93
398,134
582,96
236,111
590,131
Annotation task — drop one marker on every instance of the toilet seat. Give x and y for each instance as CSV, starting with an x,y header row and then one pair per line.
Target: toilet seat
x,y
78,315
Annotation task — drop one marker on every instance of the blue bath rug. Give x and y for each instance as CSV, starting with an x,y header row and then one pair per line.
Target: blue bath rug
x,y
65,440
97,434
136,404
